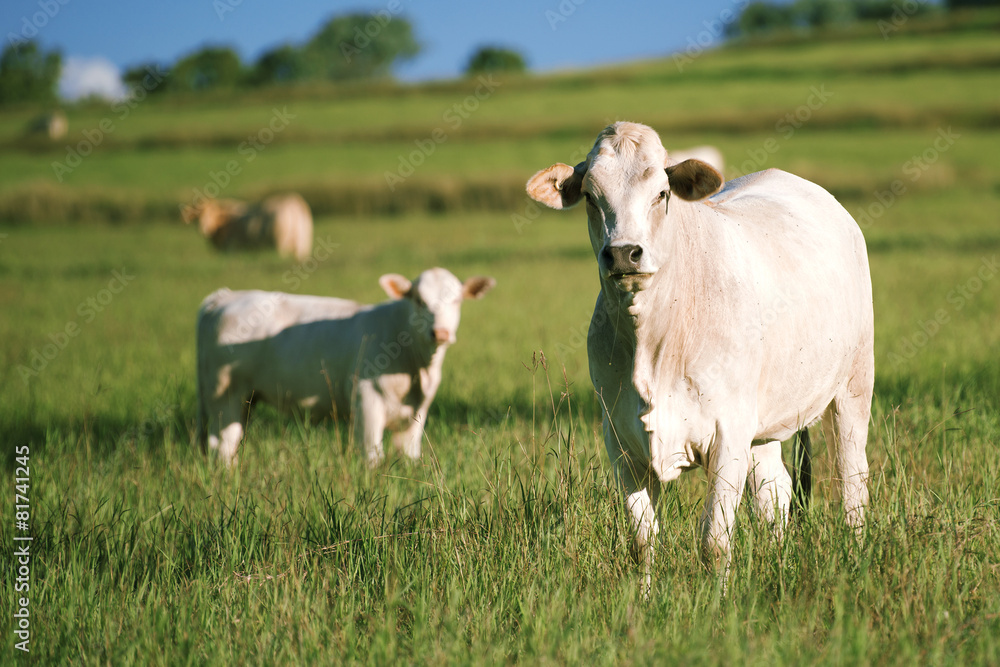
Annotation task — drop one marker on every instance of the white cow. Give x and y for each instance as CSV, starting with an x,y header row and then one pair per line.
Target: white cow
x,y
710,155
378,365
723,326
282,221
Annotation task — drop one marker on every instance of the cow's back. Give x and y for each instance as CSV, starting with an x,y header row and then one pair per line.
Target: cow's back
x,y
281,346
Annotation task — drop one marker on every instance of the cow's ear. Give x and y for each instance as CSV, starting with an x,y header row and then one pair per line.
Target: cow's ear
x,y
693,180
558,186
477,286
395,285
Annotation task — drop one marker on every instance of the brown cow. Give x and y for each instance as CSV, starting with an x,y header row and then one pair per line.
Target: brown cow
x,y
280,221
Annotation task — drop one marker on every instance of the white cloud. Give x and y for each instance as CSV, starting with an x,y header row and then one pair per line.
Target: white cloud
x,y
98,76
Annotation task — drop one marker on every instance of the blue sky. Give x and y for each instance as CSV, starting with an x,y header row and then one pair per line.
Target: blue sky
x,y
551,34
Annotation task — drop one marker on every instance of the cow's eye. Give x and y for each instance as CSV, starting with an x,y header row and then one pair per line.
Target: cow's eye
x,y
660,197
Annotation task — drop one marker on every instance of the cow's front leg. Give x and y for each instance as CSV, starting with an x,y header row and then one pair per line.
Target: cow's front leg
x,y
408,440
225,429
369,416
642,490
770,485
727,472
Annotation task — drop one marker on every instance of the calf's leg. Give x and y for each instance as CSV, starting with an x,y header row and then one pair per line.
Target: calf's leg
x,y
369,416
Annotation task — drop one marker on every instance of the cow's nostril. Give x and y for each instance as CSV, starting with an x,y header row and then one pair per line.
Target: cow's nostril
x,y
635,255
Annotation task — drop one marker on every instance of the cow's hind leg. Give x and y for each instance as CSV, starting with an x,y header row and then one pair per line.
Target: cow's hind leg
x,y
369,416
846,425
770,485
802,465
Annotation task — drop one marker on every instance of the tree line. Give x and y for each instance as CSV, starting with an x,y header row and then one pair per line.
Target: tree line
x,y
349,47
761,17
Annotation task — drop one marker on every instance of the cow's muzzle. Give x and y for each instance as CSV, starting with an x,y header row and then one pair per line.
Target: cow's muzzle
x,y
623,266
442,336
622,260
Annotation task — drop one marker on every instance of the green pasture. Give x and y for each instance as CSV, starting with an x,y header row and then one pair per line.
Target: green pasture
x,y
506,542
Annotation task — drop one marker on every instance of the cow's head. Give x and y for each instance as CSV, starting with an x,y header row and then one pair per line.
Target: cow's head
x,y
627,183
437,297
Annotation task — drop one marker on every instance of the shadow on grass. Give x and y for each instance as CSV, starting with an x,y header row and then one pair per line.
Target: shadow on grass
x,y
104,433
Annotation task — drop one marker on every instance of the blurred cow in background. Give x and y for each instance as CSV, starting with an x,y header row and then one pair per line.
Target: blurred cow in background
x,y
280,221
52,125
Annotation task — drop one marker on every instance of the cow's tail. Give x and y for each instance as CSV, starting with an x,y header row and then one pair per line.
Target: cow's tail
x,y
801,471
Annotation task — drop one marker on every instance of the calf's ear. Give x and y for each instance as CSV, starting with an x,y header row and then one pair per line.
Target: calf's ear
x,y
558,186
395,285
477,286
693,180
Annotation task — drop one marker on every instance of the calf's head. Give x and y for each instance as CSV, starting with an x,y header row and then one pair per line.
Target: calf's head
x,y
627,184
436,297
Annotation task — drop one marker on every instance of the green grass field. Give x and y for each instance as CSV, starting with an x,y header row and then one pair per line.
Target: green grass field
x,y
507,541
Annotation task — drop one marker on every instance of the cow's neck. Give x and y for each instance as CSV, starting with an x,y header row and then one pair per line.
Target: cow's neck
x,y
655,324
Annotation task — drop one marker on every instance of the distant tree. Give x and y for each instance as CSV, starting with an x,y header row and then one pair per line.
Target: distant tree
x,y
28,74
495,59
760,18
823,13
875,10
361,46
967,4
209,68
284,64
150,76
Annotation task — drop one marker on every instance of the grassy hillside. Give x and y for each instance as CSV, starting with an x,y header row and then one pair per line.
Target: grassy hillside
x,y
808,97
507,541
